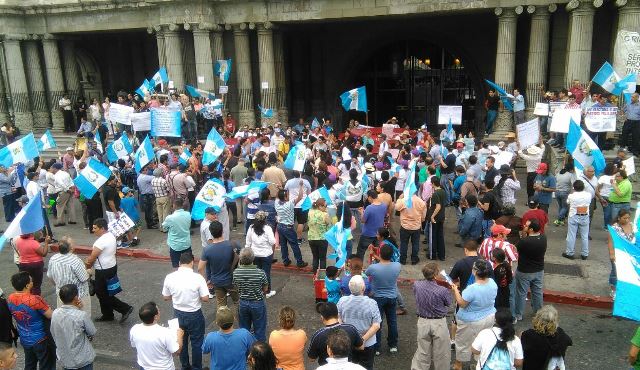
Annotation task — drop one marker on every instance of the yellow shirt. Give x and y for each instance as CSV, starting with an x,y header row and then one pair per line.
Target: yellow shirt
x,y
411,218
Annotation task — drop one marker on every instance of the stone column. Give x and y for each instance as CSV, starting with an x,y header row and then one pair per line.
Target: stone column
x,y
55,80
505,63
173,50
281,84
37,91
160,42
243,73
217,53
71,73
204,58
17,81
578,62
4,91
538,54
267,71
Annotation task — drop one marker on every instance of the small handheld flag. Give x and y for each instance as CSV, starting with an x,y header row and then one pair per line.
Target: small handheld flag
x,y
321,192
337,238
27,221
296,158
184,156
607,78
119,149
20,151
144,154
213,148
92,177
160,77
211,195
46,141
410,185
355,99
503,95
627,263
194,92
244,190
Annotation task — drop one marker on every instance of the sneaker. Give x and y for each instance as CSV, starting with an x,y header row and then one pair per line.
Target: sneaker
x,y
270,294
302,264
393,350
567,256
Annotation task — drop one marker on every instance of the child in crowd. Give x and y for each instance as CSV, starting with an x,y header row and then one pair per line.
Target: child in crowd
x,y
353,267
332,284
502,275
129,205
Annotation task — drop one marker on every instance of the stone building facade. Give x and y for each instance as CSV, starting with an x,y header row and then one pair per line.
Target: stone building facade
x,y
297,56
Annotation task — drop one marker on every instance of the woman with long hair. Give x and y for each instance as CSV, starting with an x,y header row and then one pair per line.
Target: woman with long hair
x,y
261,357
546,343
287,342
503,337
319,224
624,228
262,241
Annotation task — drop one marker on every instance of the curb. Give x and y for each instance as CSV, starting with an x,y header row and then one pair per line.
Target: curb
x,y
551,296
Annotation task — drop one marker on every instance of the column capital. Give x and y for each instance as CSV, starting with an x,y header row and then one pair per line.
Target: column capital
x,y
34,36
252,26
158,28
506,12
49,36
187,26
519,9
552,8
583,6
538,12
627,3
266,26
173,27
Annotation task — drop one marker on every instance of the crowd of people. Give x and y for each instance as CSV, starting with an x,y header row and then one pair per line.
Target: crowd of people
x,y
367,194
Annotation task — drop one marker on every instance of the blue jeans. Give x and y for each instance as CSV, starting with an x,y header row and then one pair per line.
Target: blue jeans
x,y
387,307
264,264
86,367
405,235
42,354
608,215
10,206
524,282
486,228
254,313
193,325
616,207
288,234
446,186
578,224
491,118
563,208
349,247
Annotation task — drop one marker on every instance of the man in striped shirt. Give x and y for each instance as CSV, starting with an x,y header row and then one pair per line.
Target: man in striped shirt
x,y
251,283
67,268
498,240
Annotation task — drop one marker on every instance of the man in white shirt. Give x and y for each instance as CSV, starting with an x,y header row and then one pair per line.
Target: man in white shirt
x,y
339,348
187,290
67,114
103,261
64,187
155,345
293,187
579,202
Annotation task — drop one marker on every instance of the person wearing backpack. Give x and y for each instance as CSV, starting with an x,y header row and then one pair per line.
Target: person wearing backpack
x,y
476,311
498,348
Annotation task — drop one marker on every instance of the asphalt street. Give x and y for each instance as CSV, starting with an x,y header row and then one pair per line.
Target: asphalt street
x,y
600,341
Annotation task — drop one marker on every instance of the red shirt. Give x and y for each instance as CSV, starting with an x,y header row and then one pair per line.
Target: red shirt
x,y
538,214
230,125
27,250
577,92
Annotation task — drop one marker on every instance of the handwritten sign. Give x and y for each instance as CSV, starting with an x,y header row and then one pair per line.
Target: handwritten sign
x,y
119,113
629,166
601,119
450,112
541,109
528,133
223,89
119,226
555,105
165,122
141,121
561,118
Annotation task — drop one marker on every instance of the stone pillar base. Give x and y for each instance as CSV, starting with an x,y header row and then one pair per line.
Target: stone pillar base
x,y
4,117
247,117
503,124
283,116
24,121
264,122
58,121
41,120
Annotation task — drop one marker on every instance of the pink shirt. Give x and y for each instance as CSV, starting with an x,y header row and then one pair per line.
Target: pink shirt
x,y
27,250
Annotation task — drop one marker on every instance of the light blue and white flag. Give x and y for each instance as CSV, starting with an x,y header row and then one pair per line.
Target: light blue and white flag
x,y
296,158
627,262
160,77
212,194
244,190
46,141
144,154
98,141
607,77
365,181
222,69
119,149
213,148
266,112
20,151
506,101
321,192
355,99
144,89
410,185
27,221
337,238
584,151
184,156
92,177
194,92
315,123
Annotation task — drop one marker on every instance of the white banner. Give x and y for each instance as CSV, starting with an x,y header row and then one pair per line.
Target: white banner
x,y
453,112
119,226
541,109
626,53
528,133
120,113
561,118
554,105
141,121
503,157
601,119
629,166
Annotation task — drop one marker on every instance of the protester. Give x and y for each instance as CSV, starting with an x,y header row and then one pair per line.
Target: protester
x,y
8,356
470,224
564,184
217,263
31,256
155,345
286,210
501,337
579,202
545,345
261,357
436,217
67,268
288,343
72,330
187,290
161,194
319,224
338,349
261,240
252,285
178,226
507,185
537,213
228,347
532,157
411,218
372,219
330,319
620,196
624,228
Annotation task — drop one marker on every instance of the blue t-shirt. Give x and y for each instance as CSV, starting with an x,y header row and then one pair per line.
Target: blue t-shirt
x,y
384,279
228,351
457,185
545,197
219,257
373,219
481,298
333,289
130,206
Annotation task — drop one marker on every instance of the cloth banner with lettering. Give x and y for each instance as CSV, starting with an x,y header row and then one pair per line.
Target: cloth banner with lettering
x,y
165,122
562,117
119,113
141,121
626,53
528,133
601,119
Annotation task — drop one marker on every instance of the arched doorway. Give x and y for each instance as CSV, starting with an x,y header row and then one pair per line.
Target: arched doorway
x,y
409,79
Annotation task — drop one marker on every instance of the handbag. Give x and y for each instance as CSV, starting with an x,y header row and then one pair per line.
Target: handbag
x,y
113,283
